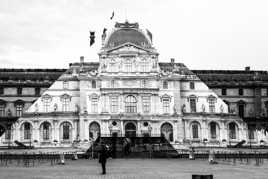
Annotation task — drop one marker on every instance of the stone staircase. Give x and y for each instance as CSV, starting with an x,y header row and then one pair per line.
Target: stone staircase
x,y
140,147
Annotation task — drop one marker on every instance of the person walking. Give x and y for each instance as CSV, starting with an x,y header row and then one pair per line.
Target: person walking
x,y
103,158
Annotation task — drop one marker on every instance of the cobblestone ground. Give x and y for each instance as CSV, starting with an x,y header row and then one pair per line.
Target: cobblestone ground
x,y
137,168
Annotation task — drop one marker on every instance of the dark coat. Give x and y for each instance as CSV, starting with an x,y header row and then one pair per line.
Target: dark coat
x,y
103,155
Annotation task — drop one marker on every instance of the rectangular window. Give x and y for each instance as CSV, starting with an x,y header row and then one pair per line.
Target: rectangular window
x,y
114,104
146,104
46,104
65,104
193,105
19,109
223,91
128,66
165,85
2,110
94,105
192,85
65,85
144,66
266,91
240,92
211,102
19,91
166,105
37,91
1,90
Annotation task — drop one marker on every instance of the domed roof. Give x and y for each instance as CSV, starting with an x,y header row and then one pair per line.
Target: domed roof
x,y
126,32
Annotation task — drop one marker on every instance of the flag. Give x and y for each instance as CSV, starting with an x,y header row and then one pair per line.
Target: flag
x,y
104,31
92,38
150,35
112,16
103,36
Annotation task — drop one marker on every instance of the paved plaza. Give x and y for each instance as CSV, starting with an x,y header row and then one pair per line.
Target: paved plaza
x,y
137,168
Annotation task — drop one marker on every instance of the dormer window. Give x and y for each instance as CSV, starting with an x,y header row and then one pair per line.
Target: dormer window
x,y
211,103
93,84
165,84
65,85
192,85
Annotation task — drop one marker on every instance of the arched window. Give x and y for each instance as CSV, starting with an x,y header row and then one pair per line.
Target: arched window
x,y
130,104
213,130
130,130
65,99
94,130
165,84
232,130
45,131
66,129
195,130
93,84
167,131
27,129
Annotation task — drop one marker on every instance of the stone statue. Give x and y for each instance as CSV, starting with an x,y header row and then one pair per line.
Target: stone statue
x,y
36,108
183,108
203,108
55,107
222,108
77,109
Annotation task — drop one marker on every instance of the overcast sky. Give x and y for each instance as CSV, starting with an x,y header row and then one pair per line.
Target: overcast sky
x,y
202,34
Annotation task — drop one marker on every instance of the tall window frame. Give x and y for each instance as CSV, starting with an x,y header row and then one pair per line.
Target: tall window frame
x,y
165,84
19,109
130,104
46,99
166,104
144,64
212,104
146,104
114,104
94,103
128,66
193,101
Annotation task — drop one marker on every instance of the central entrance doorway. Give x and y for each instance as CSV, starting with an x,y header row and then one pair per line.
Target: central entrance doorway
x,y
130,130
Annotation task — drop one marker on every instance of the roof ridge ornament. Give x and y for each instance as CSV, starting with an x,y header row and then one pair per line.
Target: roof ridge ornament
x,y
126,25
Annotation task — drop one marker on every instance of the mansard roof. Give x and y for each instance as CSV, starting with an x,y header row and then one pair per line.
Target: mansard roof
x,y
233,78
30,77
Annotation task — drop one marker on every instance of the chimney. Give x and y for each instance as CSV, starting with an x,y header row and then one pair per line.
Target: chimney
x,y
82,59
247,68
172,60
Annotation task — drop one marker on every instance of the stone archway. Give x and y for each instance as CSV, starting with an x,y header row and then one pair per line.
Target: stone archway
x,y
167,131
130,129
94,130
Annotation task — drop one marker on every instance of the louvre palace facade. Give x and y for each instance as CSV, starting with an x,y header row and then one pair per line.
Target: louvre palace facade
x,y
130,92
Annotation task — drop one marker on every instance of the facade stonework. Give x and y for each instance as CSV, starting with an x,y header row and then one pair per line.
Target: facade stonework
x,y
129,93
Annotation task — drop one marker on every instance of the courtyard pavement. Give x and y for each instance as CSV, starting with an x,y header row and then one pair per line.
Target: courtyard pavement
x,y
137,168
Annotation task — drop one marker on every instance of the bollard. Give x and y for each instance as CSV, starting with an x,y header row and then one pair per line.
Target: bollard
x,y
75,157
62,159
211,157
